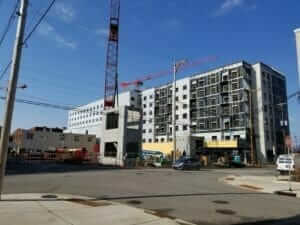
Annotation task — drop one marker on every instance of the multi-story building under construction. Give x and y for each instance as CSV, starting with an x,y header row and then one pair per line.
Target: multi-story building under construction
x,y
234,108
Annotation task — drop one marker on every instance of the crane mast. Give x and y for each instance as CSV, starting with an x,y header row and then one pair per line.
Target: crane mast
x,y
111,69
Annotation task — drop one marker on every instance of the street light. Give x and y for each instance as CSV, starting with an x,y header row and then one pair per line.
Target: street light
x,y
283,124
23,86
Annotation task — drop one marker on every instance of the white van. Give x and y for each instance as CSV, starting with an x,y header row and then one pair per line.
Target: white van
x,y
287,162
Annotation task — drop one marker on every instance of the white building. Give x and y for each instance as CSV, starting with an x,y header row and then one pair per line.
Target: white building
x,y
212,106
88,118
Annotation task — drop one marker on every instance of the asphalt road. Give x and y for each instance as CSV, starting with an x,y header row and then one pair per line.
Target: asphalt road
x,y
195,196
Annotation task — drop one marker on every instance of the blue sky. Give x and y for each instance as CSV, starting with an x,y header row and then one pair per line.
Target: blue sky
x,y
65,59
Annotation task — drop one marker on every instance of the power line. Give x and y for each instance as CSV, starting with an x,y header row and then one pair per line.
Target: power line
x,y
43,99
39,22
5,70
30,34
9,23
43,104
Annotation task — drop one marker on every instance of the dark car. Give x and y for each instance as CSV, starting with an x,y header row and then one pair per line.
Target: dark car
x,y
187,164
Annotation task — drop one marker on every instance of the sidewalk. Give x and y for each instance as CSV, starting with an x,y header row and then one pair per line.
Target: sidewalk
x,y
268,184
58,209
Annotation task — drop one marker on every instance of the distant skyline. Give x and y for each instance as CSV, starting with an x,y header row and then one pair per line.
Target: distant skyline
x,y
64,61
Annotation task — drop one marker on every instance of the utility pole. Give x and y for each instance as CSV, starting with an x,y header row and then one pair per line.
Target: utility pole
x,y
11,94
251,128
174,112
282,123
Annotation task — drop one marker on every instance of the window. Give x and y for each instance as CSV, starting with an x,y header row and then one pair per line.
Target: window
x,y
235,86
265,95
176,107
111,149
150,105
162,140
61,137
144,131
184,116
150,140
176,98
184,87
90,139
214,138
76,138
213,90
150,130
145,106
144,140
145,98
112,120
184,127
184,106
132,98
227,137
235,98
144,121
176,89
177,117
29,136
236,137
266,108
151,96
176,128
235,109
150,113
184,97
144,113
156,140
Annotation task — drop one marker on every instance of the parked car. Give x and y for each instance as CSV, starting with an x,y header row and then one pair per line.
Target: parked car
x,y
236,162
187,164
286,163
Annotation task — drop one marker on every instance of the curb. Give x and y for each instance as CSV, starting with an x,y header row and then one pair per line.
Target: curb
x,y
231,178
177,220
286,193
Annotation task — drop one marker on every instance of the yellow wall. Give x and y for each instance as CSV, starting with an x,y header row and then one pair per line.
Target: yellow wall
x,y
221,144
165,148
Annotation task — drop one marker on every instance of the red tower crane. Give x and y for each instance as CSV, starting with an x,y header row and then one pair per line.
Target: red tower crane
x,y
140,81
111,70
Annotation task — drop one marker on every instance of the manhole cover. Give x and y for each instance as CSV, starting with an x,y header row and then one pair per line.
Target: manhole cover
x,y
134,202
225,211
220,202
49,196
